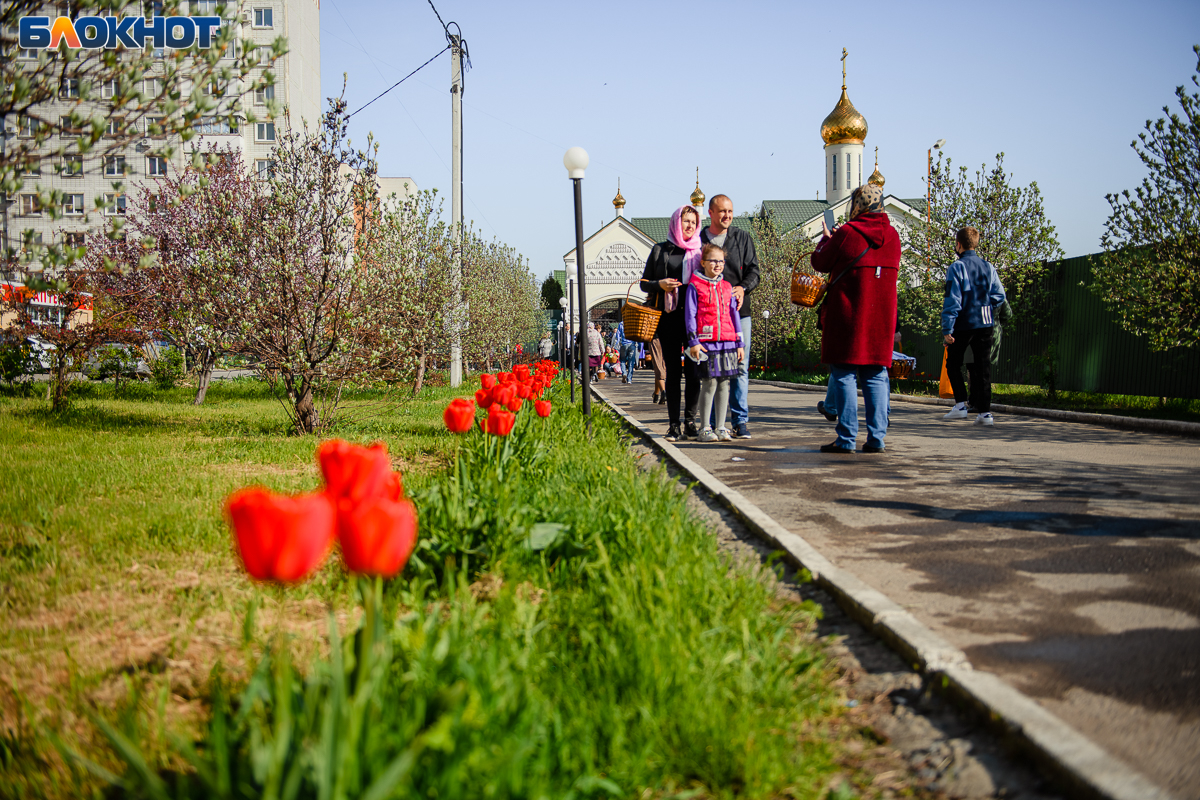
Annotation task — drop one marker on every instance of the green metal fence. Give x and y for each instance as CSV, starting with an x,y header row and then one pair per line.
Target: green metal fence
x,y
1080,345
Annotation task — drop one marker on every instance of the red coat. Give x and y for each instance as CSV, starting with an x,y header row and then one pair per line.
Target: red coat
x,y
859,313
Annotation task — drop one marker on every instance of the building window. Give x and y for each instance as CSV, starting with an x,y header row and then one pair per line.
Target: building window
x,y
114,203
115,126
72,166
265,168
72,205
261,96
74,239
214,89
108,89
263,18
26,126
154,127
835,183
265,132
204,8
29,55
152,87
152,201
114,165
33,166
30,207
152,8
214,125
156,166
69,88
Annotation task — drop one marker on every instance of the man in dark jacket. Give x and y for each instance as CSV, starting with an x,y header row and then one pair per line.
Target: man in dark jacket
x,y
741,270
973,293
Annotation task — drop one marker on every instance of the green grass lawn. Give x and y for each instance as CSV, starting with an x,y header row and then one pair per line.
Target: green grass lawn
x,y
622,656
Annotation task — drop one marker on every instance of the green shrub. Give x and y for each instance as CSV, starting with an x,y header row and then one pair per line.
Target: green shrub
x,y
167,369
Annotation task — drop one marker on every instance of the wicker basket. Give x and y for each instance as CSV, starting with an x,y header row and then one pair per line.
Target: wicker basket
x,y
807,287
641,322
901,368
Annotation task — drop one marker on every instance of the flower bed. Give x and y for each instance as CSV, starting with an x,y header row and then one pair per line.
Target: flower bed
x,y
563,627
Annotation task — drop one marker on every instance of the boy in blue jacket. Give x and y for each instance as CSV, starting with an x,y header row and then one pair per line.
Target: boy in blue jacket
x,y
973,293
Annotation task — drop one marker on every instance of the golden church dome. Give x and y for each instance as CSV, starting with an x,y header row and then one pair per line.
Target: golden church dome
x,y
618,201
876,176
697,196
844,125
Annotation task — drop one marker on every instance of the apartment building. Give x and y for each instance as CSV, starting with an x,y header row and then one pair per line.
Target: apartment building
x,y
85,177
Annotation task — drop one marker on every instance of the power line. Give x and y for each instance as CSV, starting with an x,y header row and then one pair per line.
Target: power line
x,y
402,80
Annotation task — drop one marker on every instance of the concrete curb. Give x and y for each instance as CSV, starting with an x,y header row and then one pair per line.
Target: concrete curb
x,y
1075,763
1167,426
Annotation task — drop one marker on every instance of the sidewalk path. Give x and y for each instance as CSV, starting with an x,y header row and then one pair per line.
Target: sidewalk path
x,y
1063,557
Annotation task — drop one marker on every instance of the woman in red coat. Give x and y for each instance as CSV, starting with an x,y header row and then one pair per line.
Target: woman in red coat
x,y
858,317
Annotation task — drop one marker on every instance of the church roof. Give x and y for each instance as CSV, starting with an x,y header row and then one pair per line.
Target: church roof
x,y
790,213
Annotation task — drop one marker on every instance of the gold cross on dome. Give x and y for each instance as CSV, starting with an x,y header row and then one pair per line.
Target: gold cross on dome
x,y
844,54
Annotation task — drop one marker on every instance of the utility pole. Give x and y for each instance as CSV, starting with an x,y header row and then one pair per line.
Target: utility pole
x,y
456,200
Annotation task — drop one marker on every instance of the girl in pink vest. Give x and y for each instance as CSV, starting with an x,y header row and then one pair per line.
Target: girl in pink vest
x,y
714,331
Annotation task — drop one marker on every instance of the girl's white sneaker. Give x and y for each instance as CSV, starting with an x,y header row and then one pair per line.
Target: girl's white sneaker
x,y
723,435
707,435
958,412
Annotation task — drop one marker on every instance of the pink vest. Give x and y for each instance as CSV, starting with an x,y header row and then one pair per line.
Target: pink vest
x,y
712,310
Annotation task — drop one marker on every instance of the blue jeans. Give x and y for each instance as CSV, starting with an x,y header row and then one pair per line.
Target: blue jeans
x,y
739,409
844,380
628,361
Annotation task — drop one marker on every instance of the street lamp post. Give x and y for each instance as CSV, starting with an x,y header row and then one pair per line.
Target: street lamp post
x,y
576,161
562,337
572,353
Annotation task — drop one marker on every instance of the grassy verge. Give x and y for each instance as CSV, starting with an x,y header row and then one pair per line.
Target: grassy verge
x,y
565,629
1030,396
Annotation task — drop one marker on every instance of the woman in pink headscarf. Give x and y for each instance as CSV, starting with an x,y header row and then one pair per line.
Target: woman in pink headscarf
x,y
668,269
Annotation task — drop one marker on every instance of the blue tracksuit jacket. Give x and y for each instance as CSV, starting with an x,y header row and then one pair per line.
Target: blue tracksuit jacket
x,y
973,291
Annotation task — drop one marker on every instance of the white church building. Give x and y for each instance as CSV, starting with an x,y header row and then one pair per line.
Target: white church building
x,y
616,253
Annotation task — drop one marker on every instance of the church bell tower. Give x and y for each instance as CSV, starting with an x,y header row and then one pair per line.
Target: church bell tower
x,y
843,131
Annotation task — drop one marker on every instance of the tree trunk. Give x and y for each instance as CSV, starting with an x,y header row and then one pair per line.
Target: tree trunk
x,y
420,381
58,400
204,370
307,418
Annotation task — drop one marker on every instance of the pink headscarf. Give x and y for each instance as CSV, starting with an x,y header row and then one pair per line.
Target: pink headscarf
x,y
692,246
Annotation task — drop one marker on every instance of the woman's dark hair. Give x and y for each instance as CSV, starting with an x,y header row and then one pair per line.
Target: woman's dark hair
x,y
690,210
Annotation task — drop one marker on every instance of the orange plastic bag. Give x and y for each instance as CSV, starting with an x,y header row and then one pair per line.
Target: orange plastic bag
x,y
945,390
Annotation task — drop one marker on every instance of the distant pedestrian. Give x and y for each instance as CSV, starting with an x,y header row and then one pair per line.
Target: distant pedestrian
x,y
595,345
545,346
657,364
858,317
714,329
628,350
973,294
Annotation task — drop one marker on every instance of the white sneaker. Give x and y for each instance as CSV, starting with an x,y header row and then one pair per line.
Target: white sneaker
x,y
985,419
958,412
707,435
723,435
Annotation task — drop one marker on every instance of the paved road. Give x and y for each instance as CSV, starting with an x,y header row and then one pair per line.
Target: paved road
x,y
1063,557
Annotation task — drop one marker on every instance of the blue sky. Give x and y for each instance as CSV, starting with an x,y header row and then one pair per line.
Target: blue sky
x,y
652,90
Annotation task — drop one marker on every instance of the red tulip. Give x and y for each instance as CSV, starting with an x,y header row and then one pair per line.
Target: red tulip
x,y
542,407
394,488
354,471
503,394
505,377
523,390
521,371
377,535
499,422
514,405
459,416
487,381
281,538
